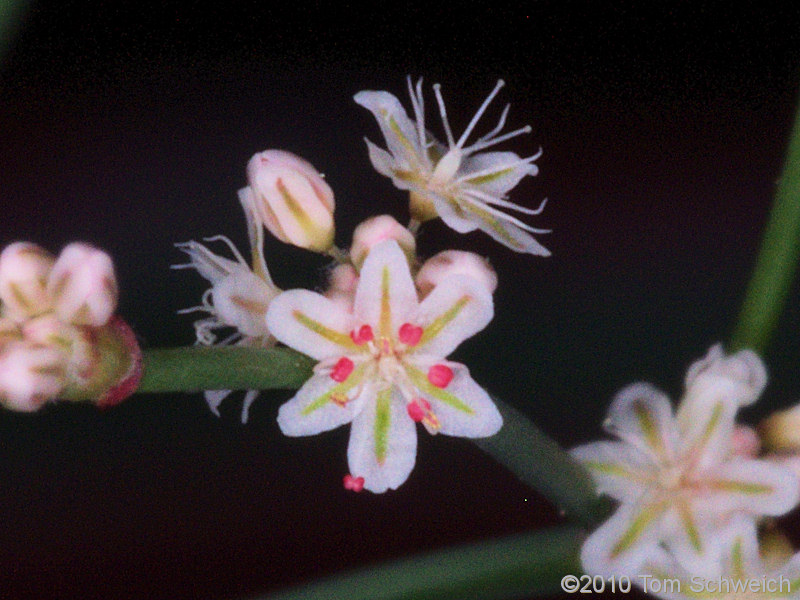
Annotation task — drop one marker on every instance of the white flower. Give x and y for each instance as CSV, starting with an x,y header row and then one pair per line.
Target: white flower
x,y
678,478
454,182
744,572
382,366
238,297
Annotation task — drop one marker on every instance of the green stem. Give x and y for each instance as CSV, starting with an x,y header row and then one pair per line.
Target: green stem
x,y
11,16
511,567
540,462
200,368
777,260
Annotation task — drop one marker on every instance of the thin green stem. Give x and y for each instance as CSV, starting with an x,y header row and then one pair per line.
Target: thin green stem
x,y
540,462
11,15
777,259
200,368
510,567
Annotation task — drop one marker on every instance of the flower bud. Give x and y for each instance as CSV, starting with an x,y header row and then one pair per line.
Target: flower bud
x,y
30,375
342,283
780,432
377,229
24,268
83,286
291,199
455,262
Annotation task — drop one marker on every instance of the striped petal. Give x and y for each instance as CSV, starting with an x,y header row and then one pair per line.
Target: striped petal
x,y
311,324
383,442
625,541
322,404
642,416
462,408
494,173
456,309
385,297
757,487
692,539
398,130
618,469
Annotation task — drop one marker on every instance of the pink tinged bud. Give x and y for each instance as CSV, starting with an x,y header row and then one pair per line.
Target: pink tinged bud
x,y
376,230
342,283
409,334
83,286
455,262
745,441
30,375
440,375
342,369
363,335
354,484
128,382
291,199
24,268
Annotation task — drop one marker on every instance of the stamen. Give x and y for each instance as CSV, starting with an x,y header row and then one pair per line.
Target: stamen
x,y
476,118
440,375
409,334
354,484
415,410
386,345
363,335
342,369
339,399
437,89
226,240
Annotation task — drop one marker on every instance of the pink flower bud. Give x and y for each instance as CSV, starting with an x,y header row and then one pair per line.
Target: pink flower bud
x,y
291,199
24,268
377,229
83,285
30,375
342,283
455,262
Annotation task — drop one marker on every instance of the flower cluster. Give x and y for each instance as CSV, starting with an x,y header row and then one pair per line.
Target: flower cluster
x,y
689,486
385,324
58,333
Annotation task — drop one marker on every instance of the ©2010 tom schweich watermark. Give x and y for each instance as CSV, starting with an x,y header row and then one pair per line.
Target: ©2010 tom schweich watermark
x,y
586,584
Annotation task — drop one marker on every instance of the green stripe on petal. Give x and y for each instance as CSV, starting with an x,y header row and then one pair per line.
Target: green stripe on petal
x,y
637,528
687,520
739,487
492,222
432,330
737,559
612,469
400,135
341,389
648,426
420,379
489,177
383,420
716,414
295,209
337,337
385,324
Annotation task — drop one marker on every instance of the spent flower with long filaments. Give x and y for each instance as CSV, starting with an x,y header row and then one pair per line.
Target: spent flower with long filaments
x,y
460,183
238,298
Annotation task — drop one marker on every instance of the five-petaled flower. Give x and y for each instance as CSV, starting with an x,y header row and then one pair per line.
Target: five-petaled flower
x,y
676,477
382,367
454,182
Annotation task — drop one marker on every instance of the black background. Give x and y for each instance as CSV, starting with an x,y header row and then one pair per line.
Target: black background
x,y
129,125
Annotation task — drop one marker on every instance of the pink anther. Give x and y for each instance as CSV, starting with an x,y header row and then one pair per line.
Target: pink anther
x,y
363,335
355,484
409,334
342,369
440,375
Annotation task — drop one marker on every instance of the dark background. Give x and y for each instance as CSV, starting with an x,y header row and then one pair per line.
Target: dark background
x,y
129,125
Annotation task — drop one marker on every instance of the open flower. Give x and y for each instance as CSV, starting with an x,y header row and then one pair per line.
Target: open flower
x,y
744,571
456,182
238,298
677,478
382,366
